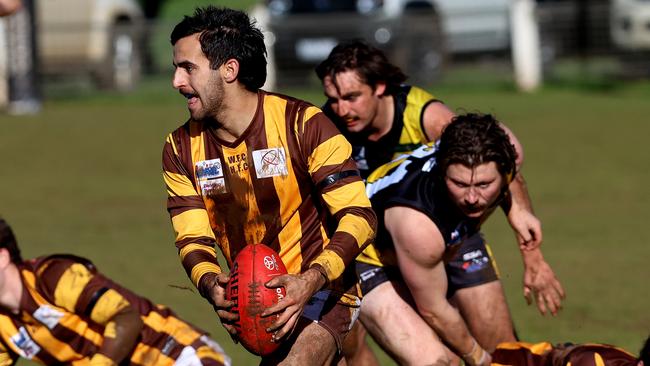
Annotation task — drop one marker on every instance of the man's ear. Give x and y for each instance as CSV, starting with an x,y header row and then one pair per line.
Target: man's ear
x,y
380,89
5,258
230,70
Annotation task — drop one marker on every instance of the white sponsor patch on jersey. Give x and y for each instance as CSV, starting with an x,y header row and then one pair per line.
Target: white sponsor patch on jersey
x,y
27,348
473,254
209,174
270,162
48,316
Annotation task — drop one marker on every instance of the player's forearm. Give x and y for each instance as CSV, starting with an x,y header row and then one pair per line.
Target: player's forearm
x,y
451,327
519,194
355,230
120,337
198,261
532,257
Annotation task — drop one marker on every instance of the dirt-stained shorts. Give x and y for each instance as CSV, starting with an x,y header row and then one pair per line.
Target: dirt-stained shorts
x,y
325,309
471,265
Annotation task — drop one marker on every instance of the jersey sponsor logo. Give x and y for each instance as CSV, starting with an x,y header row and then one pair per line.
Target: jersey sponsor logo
x,y
209,173
27,348
366,275
209,169
475,264
48,316
459,233
270,162
473,254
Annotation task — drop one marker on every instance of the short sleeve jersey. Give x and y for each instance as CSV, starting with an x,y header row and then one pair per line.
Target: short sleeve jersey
x,y
406,133
288,182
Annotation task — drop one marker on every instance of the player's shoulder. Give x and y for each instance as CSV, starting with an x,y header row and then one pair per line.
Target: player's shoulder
x,y
50,270
51,264
288,103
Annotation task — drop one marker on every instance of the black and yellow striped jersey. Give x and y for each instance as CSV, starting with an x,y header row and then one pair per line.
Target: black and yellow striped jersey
x,y
64,309
544,354
406,133
288,182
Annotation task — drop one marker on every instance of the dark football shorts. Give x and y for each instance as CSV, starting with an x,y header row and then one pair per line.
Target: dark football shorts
x,y
337,318
470,265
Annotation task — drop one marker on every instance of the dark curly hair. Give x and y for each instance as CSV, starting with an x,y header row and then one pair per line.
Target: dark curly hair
x,y
369,62
226,34
473,139
8,241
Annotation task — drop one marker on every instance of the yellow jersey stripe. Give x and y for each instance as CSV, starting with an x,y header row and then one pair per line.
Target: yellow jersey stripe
x,y
356,226
349,195
192,224
145,355
178,185
335,150
109,304
71,284
181,332
189,248
202,268
331,262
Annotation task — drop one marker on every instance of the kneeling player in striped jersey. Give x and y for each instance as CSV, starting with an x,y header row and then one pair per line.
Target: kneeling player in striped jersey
x,y
588,354
59,309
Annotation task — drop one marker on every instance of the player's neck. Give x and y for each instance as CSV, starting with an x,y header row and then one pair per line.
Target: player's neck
x,y
237,114
383,121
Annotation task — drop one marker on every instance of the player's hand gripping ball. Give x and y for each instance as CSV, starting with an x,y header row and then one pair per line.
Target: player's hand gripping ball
x,y
255,265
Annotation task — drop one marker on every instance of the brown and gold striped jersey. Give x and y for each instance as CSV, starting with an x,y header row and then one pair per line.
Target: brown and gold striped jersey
x,y
544,354
65,307
288,182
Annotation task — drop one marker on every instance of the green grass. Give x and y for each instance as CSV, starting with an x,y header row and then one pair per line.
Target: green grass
x,y
84,177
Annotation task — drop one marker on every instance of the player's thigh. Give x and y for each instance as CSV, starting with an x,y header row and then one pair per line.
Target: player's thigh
x,y
389,317
486,313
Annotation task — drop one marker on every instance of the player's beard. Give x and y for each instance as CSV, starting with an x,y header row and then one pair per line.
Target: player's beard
x,y
212,102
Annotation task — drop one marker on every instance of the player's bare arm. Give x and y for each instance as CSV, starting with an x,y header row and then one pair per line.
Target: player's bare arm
x,y
435,118
541,283
527,227
120,337
420,248
299,288
120,319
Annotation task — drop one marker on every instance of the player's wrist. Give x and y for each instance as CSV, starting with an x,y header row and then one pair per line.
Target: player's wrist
x,y
206,283
317,275
532,257
477,356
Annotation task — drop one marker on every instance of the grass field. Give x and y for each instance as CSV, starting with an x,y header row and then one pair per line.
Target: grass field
x,y
84,176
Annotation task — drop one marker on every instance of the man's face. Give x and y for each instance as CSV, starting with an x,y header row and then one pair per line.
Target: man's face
x,y
354,101
194,79
474,190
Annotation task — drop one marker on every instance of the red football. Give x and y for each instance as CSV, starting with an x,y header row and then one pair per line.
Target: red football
x,y
254,266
